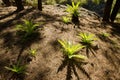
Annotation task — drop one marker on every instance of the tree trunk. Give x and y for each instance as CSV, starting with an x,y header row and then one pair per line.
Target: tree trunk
x,y
107,10
6,2
69,2
40,5
19,5
115,10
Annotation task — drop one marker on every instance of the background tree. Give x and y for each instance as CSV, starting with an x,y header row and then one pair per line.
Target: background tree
x,y
107,10
19,5
40,5
115,10
6,2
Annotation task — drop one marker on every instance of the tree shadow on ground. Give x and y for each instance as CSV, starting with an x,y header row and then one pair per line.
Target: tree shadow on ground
x,y
115,29
18,42
112,58
112,47
105,38
47,18
71,68
5,61
10,22
24,42
88,50
4,72
15,76
8,40
42,74
55,45
8,15
11,42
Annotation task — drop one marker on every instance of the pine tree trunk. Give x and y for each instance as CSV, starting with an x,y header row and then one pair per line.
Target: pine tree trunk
x,y
19,5
107,10
69,1
115,10
40,5
6,2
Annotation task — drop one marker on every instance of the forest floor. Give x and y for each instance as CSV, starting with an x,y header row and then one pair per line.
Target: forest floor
x,y
49,63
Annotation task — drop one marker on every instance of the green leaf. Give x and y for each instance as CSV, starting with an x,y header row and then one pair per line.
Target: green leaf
x,y
16,69
27,27
87,38
78,4
73,10
78,56
73,4
70,49
32,52
66,19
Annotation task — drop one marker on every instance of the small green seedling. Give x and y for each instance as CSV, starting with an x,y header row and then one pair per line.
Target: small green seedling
x,y
32,52
65,19
28,27
17,69
87,39
105,34
70,50
73,10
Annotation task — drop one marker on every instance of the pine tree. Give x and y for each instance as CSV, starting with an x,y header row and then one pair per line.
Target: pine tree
x,y
19,5
107,10
6,2
115,10
40,5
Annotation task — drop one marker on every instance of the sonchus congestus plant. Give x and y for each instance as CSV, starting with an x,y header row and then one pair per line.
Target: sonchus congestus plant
x,y
66,19
17,69
70,50
87,39
73,10
104,34
28,27
32,52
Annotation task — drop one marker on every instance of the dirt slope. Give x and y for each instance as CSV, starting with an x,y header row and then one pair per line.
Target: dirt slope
x,y
49,63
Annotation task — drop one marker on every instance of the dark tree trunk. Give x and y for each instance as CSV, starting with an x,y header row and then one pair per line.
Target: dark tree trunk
x,y
107,10
69,2
19,5
40,5
115,10
6,2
